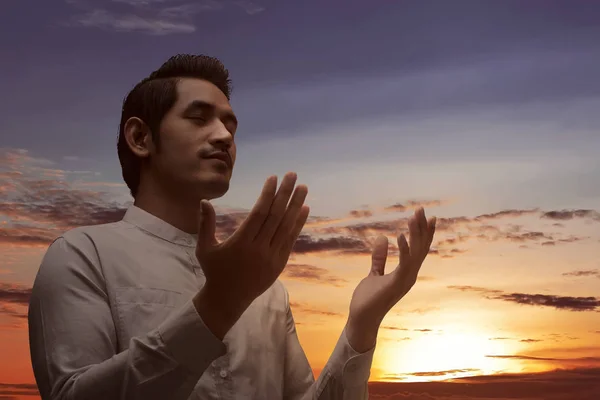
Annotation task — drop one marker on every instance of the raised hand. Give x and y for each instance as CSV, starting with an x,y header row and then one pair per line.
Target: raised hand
x,y
376,294
242,267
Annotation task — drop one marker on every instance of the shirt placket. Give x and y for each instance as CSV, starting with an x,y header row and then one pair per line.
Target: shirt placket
x,y
221,375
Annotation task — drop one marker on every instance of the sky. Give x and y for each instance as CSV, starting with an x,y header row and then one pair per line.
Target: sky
x,y
484,112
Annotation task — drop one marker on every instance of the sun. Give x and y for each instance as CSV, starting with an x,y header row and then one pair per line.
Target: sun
x,y
443,354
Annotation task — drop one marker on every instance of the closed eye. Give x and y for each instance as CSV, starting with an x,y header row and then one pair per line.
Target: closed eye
x,y
198,120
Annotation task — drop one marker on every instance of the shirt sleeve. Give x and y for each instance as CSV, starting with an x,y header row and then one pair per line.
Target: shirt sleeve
x,y
73,340
344,377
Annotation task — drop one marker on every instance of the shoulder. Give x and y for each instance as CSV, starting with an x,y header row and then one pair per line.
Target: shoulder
x,y
75,252
84,236
81,241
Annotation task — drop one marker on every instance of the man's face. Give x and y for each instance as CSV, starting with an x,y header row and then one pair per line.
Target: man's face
x,y
196,142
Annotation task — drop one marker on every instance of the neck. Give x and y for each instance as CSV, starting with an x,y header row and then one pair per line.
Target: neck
x,y
175,209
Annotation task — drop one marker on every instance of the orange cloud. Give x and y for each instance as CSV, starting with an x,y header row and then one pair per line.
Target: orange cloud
x,y
305,309
312,274
413,205
13,302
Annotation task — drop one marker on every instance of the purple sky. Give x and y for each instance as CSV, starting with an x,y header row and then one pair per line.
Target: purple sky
x,y
336,81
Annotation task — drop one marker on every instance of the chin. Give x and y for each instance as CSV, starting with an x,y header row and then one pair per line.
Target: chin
x,y
214,185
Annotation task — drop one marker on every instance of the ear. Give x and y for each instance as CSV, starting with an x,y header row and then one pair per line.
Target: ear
x,y
138,137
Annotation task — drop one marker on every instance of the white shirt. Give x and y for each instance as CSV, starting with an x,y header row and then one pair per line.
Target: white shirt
x,y
111,317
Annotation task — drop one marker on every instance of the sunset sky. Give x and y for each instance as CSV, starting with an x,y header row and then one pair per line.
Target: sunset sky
x,y
485,112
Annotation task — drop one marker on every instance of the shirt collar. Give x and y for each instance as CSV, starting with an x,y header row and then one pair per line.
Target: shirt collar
x,y
157,227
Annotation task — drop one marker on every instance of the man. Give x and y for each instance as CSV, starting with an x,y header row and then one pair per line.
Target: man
x,y
154,307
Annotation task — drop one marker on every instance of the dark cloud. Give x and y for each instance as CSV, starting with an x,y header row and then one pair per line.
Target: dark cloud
x,y
28,386
312,274
396,328
14,294
42,202
11,311
559,302
458,230
444,373
584,273
530,340
513,233
531,358
227,223
340,244
566,303
570,239
368,231
8,390
478,289
506,214
19,235
39,210
13,302
579,384
393,328
394,339
564,215
526,236
448,223
391,227
361,213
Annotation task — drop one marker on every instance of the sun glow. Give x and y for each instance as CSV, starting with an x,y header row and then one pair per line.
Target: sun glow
x,y
444,354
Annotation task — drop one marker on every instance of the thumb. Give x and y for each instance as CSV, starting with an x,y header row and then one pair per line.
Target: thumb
x,y
379,255
207,220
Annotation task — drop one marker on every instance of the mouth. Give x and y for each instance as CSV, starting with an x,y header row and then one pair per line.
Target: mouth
x,y
222,156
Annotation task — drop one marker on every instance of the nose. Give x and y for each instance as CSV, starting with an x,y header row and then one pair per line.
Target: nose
x,y
221,138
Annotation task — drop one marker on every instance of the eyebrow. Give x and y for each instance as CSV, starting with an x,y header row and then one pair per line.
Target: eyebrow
x,y
204,105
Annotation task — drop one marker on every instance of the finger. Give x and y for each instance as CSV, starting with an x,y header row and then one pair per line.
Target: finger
x,y
414,236
286,249
289,219
379,255
422,222
257,216
403,270
206,226
431,230
278,208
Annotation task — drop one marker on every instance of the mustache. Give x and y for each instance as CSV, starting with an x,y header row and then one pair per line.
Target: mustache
x,y
207,153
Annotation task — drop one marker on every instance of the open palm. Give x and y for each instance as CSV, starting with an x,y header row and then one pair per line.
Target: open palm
x,y
376,294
